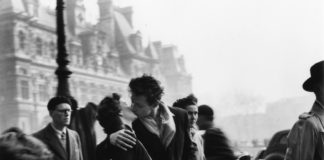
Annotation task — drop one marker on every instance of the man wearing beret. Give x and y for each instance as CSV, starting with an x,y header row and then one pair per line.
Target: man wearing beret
x,y
63,142
306,138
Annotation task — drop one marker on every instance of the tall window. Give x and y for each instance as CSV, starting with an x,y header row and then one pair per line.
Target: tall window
x,y
46,48
43,95
24,89
52,49
39,46
22,38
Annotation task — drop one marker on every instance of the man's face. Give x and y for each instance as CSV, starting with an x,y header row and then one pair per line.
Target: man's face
x,y
201,122
140,106
61,115
192,111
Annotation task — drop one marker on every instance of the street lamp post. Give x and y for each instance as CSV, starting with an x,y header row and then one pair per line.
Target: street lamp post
x,y
62,72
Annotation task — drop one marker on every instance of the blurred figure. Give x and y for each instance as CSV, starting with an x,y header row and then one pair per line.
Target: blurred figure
x,y
274,156
13,129
15,145
189,104
111,119
83,121
63,142
216,144
306,138
164,131
244,157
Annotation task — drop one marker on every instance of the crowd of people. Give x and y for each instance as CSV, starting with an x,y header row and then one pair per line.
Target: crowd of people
x,y
185,131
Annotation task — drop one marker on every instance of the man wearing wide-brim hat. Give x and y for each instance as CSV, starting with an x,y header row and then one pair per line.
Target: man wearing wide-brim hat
x,y
306,138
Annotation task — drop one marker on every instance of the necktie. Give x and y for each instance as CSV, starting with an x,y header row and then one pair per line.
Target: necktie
x,y
63,140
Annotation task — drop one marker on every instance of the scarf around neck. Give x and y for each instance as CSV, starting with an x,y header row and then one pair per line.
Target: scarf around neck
x,y
163,126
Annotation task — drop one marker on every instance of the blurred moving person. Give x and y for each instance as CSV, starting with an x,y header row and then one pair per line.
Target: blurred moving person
x,y
275,156
189,104
111,119
63,142
15,145
306,138
216,144
83,122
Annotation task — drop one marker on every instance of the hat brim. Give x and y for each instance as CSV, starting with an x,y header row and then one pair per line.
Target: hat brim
x,y
309,85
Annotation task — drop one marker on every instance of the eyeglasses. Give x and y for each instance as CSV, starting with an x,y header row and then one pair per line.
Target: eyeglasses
x,y
64,110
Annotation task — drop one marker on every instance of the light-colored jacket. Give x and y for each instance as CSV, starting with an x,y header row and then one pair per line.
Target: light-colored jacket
x,y
199,141
306,138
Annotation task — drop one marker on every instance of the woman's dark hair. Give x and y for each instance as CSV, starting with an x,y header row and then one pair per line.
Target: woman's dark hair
x,y
109,113
147,86
184,102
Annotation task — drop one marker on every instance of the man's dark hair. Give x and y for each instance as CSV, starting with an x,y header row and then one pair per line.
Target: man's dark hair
x,y
74,103
108,113
53,102
207,111
184,102
147,86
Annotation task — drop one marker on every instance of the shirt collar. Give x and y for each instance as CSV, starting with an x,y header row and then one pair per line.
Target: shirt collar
x,y
58,132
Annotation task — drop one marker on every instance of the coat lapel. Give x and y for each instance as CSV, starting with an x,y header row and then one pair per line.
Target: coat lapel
x,y
318,110
54,143
70,146
170,147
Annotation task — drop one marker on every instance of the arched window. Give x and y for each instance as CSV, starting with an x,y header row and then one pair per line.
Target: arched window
x,y
22,38
39,46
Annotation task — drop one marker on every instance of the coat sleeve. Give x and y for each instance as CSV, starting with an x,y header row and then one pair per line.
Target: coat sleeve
x,y
302,141
140,151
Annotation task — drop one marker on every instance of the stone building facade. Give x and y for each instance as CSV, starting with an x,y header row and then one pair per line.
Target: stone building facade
x,y
103,58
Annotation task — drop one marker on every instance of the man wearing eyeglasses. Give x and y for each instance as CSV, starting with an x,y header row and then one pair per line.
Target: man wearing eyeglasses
x,y
63,142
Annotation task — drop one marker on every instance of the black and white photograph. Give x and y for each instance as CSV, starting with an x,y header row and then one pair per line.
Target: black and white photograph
x,y
161,80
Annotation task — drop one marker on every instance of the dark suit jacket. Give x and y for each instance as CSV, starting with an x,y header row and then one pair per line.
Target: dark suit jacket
x,y
180,147
216,145
48,136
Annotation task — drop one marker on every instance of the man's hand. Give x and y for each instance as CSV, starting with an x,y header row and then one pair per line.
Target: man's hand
x,y
123,139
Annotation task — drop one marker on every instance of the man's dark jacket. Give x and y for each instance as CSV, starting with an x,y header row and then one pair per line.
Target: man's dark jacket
x,y
49,137
216,145
181,146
